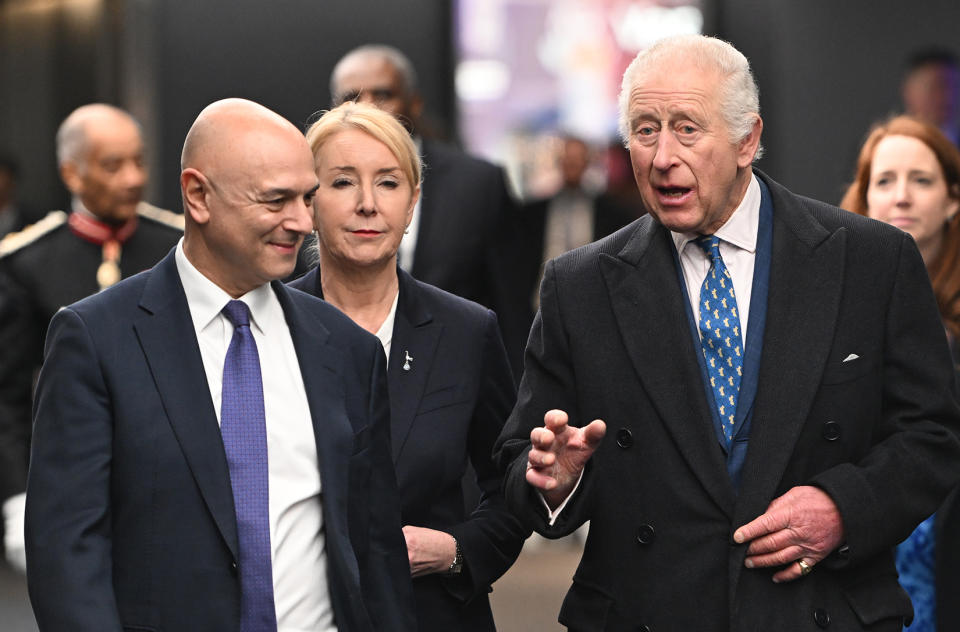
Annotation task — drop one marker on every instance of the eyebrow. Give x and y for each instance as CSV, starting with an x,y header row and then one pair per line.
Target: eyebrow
x,y
287,192
352,168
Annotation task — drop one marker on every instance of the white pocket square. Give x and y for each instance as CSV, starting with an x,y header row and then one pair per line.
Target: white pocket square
x,y
851,357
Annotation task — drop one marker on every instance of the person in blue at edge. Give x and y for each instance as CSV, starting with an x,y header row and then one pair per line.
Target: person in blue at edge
x,y
780,399
450,383
908,175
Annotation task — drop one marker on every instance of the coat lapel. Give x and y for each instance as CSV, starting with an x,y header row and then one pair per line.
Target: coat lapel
x,y
169,343
806,278
414,333
320,368
647,305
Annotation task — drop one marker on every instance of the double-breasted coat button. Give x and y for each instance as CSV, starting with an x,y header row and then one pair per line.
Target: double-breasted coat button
x,y
624,438
821,617
645,534
831,431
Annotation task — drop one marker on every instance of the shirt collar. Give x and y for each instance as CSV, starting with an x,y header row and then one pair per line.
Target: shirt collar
x,y
740,229
206,299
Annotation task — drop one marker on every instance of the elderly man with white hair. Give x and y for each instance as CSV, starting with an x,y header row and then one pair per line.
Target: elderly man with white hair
x,y
108,233
747,393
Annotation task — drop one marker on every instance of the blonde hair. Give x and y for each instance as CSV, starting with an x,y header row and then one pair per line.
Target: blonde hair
x,y
375,123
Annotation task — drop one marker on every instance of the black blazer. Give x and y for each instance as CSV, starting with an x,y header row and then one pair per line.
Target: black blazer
x,y
130,519
446,411
526,255
855,395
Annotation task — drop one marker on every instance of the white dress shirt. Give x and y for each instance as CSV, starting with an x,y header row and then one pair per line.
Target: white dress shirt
x,y
300,590
738,247
385,333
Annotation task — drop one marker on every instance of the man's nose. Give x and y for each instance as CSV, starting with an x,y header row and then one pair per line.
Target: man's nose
x,y
300,218
666,151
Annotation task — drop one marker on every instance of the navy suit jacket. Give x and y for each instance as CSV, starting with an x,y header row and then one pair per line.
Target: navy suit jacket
x,y
446,412
130,520
855,395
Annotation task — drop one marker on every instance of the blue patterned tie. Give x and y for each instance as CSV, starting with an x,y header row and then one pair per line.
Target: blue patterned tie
x,y
244,430
720,334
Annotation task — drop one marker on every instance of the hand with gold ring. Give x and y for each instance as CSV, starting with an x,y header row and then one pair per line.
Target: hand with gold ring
x,y
796,531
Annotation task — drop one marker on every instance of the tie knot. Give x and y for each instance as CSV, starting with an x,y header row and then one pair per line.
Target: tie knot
x,y
237,313
710,244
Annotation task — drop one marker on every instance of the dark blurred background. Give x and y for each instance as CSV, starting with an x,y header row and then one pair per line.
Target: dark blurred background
x,y
826,69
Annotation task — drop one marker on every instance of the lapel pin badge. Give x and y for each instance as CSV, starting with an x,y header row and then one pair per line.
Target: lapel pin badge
x,y
407,359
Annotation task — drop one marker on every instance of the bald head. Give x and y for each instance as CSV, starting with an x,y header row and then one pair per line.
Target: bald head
x,y
381,76
247,181
223,126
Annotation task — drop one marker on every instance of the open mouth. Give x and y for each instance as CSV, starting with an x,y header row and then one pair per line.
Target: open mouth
x,y
673,192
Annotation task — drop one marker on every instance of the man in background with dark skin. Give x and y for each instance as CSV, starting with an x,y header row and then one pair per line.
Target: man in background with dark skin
x,y
109,233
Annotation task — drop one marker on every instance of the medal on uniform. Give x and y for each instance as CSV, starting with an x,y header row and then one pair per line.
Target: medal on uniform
x,y
109,271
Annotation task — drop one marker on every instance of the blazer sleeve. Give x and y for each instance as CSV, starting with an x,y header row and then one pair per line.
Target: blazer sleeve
x,y
68,532
914,459
386,584
491,539
21,340
548,383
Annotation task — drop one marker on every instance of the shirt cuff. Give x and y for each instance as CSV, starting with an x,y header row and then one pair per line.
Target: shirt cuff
x,y
553,515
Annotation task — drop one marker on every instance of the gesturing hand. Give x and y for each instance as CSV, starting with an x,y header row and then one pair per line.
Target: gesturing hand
x,y
559,454
803,524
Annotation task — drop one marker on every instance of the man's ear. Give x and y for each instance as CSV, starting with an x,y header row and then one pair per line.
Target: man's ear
x,y
747,148
71,178
194,187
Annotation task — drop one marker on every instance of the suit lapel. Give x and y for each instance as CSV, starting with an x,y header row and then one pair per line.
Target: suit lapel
x,y
806,278
169,343
414,333
647,304
320,367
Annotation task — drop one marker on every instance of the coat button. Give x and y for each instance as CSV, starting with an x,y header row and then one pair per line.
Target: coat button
x,y
234,569
831,431
645,534
844,552
644,628
821,617
624,438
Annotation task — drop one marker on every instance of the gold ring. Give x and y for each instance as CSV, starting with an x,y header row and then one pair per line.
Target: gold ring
x,y
804,568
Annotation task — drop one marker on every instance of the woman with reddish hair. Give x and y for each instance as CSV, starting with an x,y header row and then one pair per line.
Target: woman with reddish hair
x,y
908,175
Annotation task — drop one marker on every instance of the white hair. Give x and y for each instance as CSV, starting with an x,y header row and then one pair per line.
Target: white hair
x,y
72,141
739,96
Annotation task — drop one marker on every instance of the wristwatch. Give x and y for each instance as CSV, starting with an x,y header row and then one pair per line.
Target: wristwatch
x,y
457,565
